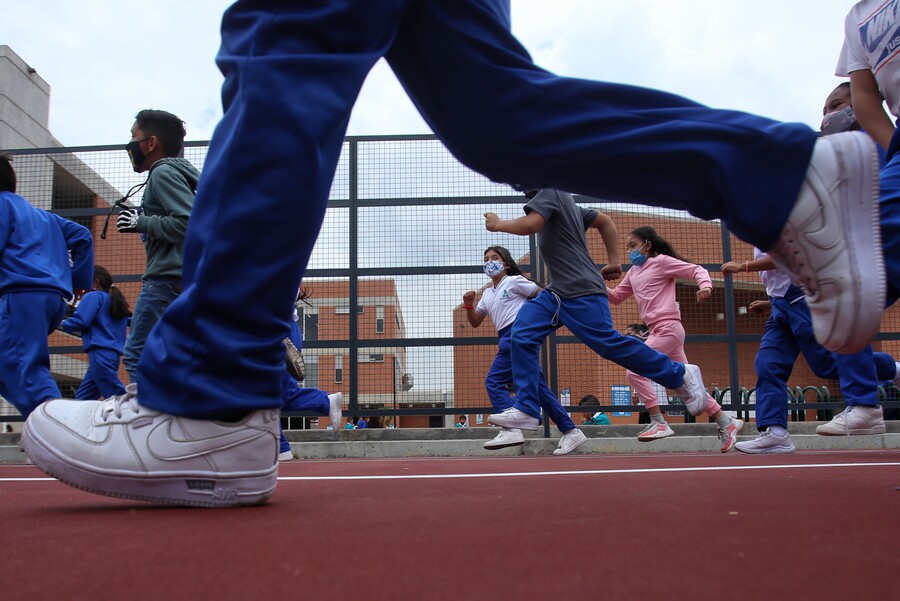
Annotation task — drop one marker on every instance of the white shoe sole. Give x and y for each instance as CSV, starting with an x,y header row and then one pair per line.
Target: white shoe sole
x,y
776,450
846,313
491,446
873,431
498,419
195,488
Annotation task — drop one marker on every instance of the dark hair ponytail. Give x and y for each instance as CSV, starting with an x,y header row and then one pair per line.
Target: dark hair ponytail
x,y
118,308
658,245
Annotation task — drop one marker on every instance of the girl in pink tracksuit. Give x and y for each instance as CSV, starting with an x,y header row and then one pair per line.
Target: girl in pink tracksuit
x,y
651,280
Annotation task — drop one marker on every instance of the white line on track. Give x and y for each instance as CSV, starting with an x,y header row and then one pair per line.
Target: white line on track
x,y
590,472
653,470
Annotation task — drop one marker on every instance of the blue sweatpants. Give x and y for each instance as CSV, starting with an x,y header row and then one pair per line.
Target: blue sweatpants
x,y
589,319
500,376
292,73
26,319
788,333
101,380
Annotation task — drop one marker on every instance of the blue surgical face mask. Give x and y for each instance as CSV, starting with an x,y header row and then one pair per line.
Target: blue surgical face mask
x,y
636,257
493,268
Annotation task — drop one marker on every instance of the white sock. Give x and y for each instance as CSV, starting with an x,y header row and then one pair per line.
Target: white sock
x,y
723,421
777,430
657,418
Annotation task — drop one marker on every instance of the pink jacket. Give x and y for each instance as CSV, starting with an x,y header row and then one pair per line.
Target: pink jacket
x,y
653,286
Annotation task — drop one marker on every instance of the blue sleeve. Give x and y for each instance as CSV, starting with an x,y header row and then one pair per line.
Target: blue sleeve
x,y
84,315
5,223
81,246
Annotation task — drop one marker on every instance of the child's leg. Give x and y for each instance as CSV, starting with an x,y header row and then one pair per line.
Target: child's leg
x,y
552,407
588,317
88,390
104,368
774,363
26,318
500,375
295,398
532,325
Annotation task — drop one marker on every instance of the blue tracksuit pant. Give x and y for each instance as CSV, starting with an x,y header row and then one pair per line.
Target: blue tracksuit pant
x,y
500,376
26,319
589,319
101,378
788,333
293,71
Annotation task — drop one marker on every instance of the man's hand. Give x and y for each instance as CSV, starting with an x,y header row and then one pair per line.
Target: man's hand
x,y
127,220
611,272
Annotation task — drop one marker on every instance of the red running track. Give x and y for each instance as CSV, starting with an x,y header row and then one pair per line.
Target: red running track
x,y
812,525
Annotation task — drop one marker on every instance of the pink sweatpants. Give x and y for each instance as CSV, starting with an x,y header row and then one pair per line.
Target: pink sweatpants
x,y
667,337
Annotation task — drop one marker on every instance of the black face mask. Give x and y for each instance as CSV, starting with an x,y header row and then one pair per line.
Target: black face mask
x,y
137,157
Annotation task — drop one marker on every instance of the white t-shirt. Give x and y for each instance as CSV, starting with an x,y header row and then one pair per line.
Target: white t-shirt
x,y
503,302
777,282
872,41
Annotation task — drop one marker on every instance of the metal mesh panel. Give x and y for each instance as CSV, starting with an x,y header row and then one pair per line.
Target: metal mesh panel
x,y
386,327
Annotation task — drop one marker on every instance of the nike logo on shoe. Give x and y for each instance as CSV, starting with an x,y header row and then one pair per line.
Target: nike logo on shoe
x,y
163,443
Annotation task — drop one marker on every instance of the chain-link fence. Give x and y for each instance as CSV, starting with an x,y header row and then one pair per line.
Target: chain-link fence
x,y
402,240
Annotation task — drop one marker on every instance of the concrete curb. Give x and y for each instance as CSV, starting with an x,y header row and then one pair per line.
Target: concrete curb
x,y
459,442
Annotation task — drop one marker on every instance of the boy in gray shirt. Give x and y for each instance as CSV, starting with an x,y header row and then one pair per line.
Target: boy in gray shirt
x,y
576,298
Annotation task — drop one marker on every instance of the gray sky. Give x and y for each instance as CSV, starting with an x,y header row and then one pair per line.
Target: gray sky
x,y
107,59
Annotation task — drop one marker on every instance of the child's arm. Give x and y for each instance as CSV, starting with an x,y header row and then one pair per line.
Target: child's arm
x,y
869,107
610,235
763,263
84,314
525,225
475,317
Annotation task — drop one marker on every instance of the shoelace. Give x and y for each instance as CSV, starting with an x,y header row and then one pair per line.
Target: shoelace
x,y
116,404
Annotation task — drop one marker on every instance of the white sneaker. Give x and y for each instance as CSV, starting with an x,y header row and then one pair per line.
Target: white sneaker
x,y
767,443
513,418
728,434
896,379
855,420
655,431
831,243
692,392
118,448
285,456
569,441
335,407
508,437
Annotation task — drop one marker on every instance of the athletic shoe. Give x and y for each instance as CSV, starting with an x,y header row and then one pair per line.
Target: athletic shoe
x,y
285,456
855,420
767,443
655,431
335,407
508,437
692,392
569,441
513,418
831,243
121,449
728,434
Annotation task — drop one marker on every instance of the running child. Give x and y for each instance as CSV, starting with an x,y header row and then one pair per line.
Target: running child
x,y
502,301
102,318
298,398
789,333
44,260
576,298
651,281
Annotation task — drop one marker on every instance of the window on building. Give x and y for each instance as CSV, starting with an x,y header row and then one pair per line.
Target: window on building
x,y
311,326
379,319
338,369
